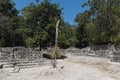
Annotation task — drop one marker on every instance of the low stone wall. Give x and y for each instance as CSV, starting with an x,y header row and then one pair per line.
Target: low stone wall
x,y
19,53
100,51
107,51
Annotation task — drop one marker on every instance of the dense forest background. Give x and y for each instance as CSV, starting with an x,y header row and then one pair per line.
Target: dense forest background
x,y
34,25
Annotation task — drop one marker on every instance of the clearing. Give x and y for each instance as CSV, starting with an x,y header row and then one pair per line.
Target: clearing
x,y
71,68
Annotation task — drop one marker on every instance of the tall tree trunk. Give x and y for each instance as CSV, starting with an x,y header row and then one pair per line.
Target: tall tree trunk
x,y
56,45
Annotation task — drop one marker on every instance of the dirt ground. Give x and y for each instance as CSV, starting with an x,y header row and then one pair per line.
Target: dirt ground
x,y
71,68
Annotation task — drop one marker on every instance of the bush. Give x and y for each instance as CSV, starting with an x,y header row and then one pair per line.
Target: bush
x,y
29,42
50,54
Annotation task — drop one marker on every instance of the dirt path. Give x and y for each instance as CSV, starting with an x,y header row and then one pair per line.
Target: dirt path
x,y
72,68
103,65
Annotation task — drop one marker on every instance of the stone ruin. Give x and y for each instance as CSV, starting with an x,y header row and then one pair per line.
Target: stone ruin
x,y
95,51
22,57
115,57
106,51
8,53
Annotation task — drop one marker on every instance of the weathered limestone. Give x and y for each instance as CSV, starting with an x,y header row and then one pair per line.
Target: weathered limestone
x,y
106,51
116,56
19,53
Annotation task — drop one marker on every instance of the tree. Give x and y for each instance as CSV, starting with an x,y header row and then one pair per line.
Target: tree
x,y
41,19
101,22
8,16
56,45
82,19
7,8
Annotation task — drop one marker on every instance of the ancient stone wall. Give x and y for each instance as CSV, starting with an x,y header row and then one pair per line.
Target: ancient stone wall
x,y
95,51
106,51
19,53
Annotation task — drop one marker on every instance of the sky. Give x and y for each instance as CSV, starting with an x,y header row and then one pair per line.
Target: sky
x,y
70,7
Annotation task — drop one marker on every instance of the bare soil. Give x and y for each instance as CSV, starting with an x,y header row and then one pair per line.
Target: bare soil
x,y
71,68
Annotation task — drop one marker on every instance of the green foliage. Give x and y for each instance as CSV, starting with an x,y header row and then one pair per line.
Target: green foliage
x,y
7,8
67,36
91,30
36,26
50,54
99,24
83,20
29,42
41,19
8,23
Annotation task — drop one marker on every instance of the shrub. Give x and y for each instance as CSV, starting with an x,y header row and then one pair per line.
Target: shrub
x,y
50,54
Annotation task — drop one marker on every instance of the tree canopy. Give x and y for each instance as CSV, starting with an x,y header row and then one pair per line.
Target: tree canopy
x,y
99,24
35,26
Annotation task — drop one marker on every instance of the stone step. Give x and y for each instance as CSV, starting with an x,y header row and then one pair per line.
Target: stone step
x,y
22,67
21,60
7,65
13,60
28,64
17,62
25,63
